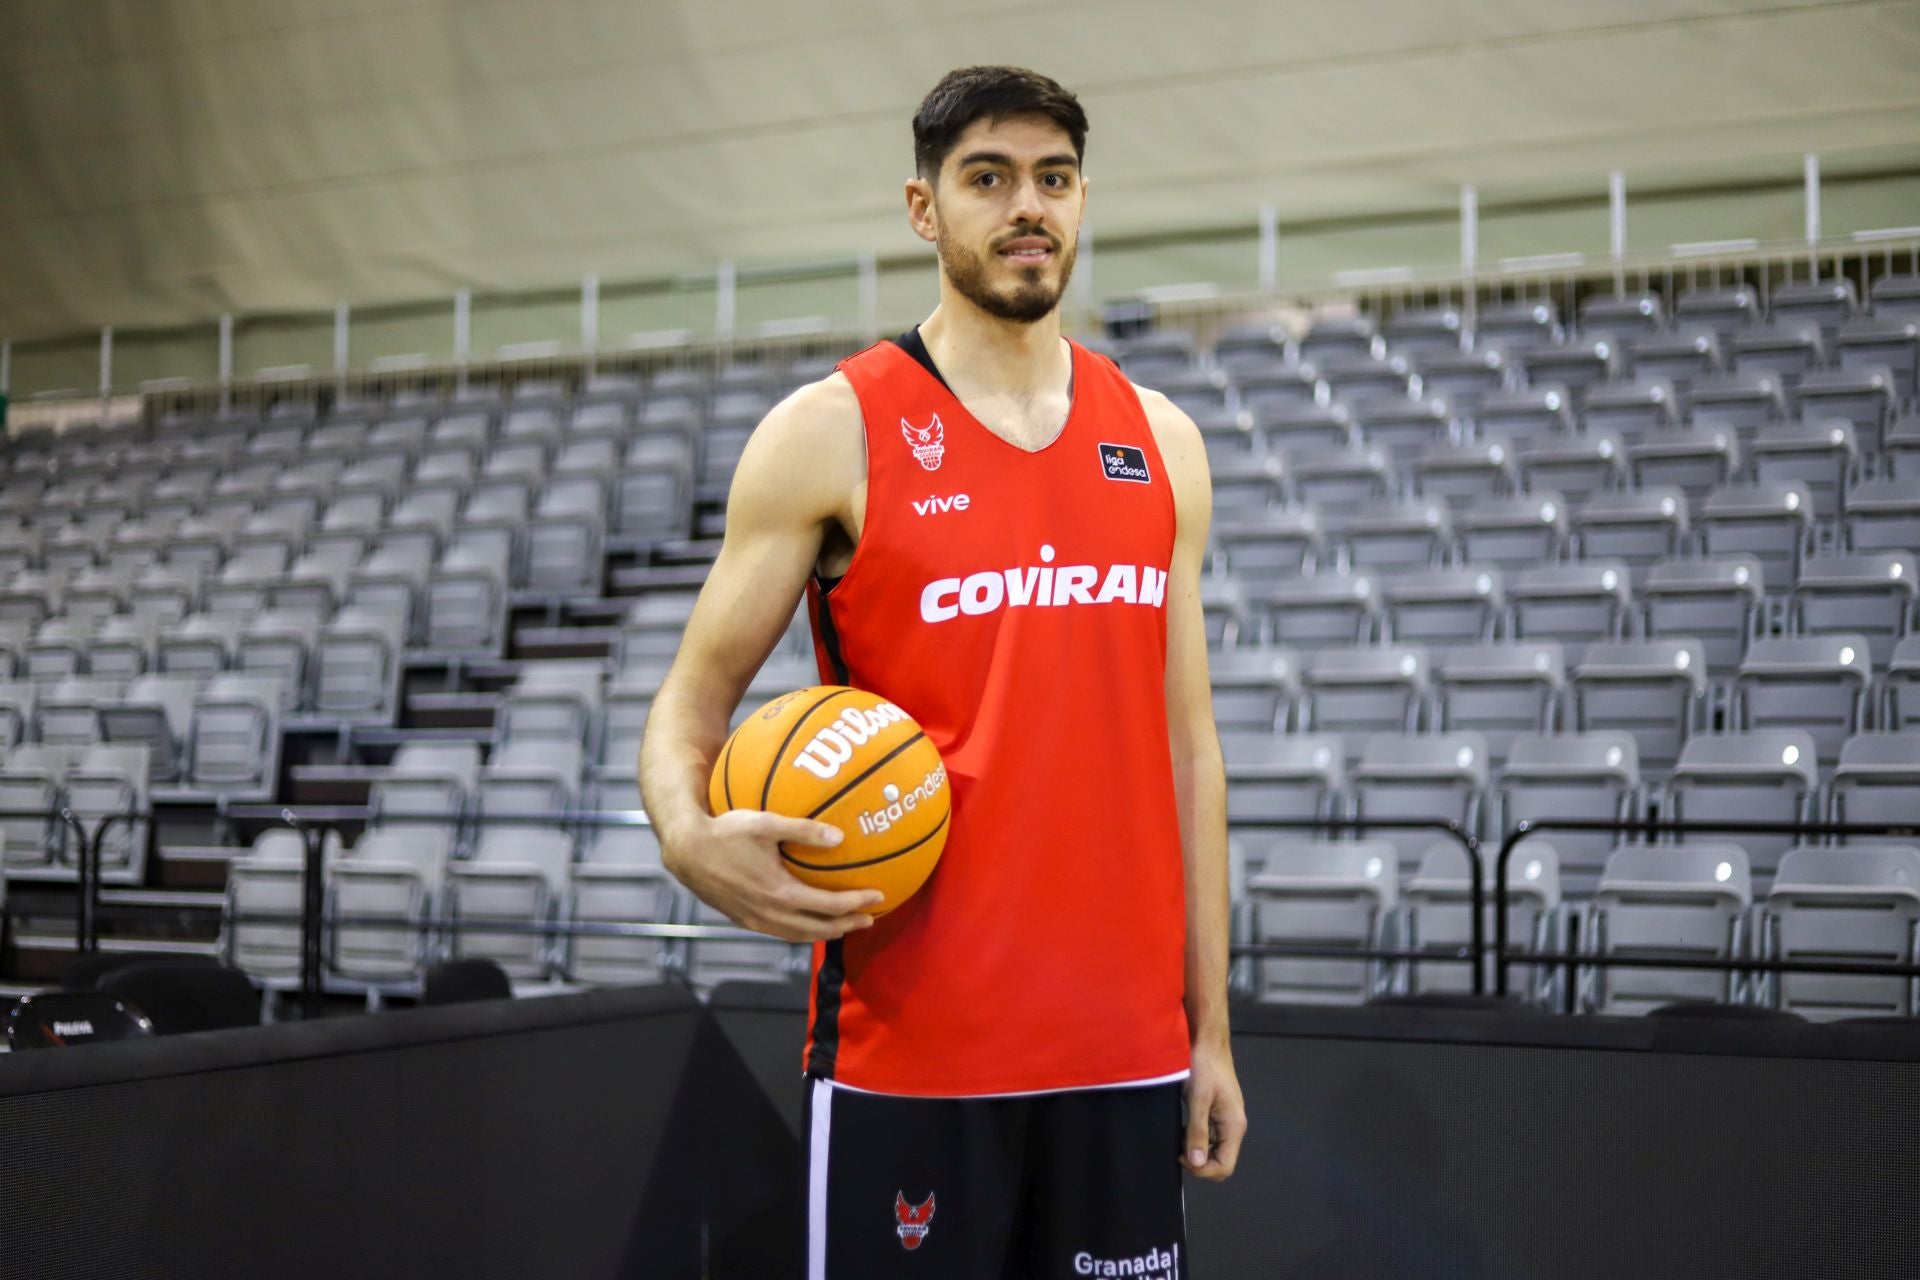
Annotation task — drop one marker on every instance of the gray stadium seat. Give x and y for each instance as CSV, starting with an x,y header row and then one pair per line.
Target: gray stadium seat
x,y
1789,348
1869,593
1355,692
1392,536
1404,428
1280,543
527,778
1688,902
1575,365
1442,606
1860,903
1866,398
1902,458
1655,689
1818,455
1770,775
1500,691
1718,602
1877,782
1275,387
393,875
236,736
1902,692
1428,330
1574,466
1681,357
1770,522
1252,343
1745,400
1827,303
1884,342
1339,338
1254,689
1431,776
1242,487
552,701
1364,380
1326,608
1282,778
1513,533
1464,379
1518,326
155,712
1525,416
1694,459
1305,428
1461,474
1819,684
1572,604
1331,478
1632,410
1438,903
1881,515
1588,777
1636,528
357,665
281,644
1623,314
516,874
1725,311
1321,893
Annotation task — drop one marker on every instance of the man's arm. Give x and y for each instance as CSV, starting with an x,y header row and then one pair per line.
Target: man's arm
x,y
794,481
1217,1118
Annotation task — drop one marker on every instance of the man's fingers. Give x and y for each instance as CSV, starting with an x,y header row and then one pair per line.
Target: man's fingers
x,y
1199,1110
831,903
1230,1130
819,835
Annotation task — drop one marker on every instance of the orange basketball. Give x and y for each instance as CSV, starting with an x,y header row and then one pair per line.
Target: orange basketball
x,y
854,760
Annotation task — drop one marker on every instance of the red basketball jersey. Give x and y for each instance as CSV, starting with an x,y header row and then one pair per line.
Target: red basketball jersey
x,y
1014,603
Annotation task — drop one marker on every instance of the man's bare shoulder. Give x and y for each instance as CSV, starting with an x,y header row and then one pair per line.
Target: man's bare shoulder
x,y
824,413
807,454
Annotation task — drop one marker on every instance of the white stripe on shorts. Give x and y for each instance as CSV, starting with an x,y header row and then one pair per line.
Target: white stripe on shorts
x,y
817,1180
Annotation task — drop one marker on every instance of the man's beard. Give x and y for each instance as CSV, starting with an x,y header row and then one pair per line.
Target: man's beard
x,y
1024,302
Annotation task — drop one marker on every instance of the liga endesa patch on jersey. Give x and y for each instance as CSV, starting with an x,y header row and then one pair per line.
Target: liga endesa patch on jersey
x,y
1124,462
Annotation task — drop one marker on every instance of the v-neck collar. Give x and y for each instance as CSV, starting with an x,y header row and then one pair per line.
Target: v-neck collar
x,y
914,347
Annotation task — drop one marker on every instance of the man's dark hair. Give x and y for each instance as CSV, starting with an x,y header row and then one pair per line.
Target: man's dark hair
x,y
968,93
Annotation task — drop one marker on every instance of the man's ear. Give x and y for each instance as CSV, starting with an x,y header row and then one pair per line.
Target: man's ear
x,y
921,213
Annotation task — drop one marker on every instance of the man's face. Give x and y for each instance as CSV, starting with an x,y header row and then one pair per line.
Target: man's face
x,y
1006,216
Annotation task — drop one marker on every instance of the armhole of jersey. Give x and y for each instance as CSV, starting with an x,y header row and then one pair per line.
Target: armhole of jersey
x,y
1151,444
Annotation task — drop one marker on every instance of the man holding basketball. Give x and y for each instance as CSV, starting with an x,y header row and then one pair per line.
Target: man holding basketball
x,y
1002,535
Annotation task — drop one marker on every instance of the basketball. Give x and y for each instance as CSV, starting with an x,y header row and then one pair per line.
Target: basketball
x,y
851,759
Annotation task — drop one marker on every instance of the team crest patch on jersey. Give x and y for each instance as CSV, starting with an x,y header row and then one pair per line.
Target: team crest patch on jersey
x,y
929,443
1124,462
912,1220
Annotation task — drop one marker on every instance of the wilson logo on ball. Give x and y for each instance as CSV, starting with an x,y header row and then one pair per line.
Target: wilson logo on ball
x,y
833,746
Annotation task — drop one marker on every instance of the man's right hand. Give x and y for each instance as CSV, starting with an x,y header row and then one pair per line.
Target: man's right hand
x,y
732,863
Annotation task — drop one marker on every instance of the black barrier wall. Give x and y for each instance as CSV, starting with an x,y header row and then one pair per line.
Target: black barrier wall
x,y
528,1138
621,1132
1414,1144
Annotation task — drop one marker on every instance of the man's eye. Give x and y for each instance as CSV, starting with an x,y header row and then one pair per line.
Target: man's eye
x,y
985,178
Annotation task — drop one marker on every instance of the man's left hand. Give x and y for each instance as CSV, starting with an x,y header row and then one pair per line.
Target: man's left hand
x,y
1216,1113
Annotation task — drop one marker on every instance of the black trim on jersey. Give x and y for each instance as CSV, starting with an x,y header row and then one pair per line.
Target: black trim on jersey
x,y
826,1026
829,634
914,345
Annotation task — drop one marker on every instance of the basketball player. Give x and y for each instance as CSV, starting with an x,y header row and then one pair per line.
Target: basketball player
x,y
1001,534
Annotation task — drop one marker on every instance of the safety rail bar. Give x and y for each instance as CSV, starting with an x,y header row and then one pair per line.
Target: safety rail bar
x,y
1529,827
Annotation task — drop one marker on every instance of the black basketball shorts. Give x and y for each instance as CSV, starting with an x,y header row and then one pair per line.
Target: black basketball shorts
x,y
1029,1187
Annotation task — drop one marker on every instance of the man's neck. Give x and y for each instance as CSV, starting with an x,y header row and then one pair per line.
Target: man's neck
x,y
977,351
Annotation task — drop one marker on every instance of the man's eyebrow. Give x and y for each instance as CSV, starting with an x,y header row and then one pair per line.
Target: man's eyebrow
x,y
1066,160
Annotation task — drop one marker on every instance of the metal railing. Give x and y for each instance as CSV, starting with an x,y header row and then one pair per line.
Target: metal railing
x,y
1526,828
